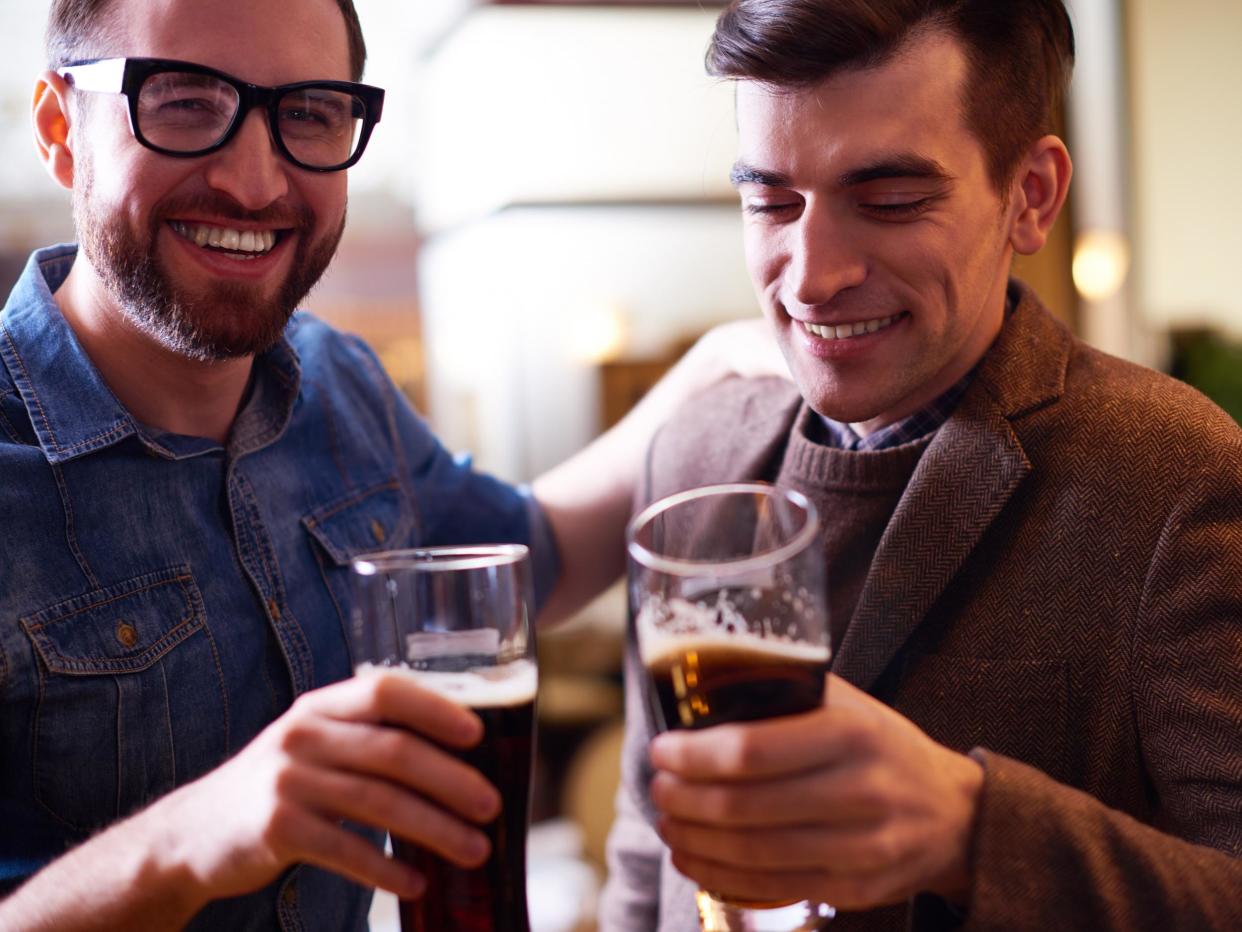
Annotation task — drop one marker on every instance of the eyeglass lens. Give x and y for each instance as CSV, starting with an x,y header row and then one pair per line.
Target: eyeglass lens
x,y
187,112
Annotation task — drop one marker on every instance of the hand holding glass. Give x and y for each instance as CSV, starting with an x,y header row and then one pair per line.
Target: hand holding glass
x,y
727,591
456,618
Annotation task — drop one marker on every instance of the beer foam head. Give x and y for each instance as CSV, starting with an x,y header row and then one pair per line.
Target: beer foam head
x,y
670,628
503,685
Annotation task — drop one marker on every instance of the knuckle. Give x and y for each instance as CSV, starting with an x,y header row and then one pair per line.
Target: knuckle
x,y
885,848
739,751
383,690
727,805
391,748
859,736
279,828
285,781
296,737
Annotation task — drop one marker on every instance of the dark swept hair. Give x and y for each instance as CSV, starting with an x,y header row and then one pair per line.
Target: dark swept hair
x,y
1020,55
76,27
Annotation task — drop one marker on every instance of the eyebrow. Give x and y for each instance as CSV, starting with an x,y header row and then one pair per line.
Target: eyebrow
x,y
903,165
741,173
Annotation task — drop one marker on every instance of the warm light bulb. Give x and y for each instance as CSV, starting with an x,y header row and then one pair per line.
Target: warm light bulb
x,y
597,335
1101,264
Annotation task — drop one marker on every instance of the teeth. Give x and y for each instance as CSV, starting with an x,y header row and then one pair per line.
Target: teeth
x,y
252,241
845,331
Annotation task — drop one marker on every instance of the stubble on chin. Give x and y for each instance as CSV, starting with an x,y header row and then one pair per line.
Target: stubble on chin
x,y
224,320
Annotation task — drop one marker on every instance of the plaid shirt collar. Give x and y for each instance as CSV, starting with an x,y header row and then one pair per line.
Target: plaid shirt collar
x,y
915,427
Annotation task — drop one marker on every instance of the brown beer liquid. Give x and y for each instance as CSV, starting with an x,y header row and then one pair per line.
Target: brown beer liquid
x,y
490,898
700,683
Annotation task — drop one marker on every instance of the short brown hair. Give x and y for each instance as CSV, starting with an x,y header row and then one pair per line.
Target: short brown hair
x,y
1020,54
75,28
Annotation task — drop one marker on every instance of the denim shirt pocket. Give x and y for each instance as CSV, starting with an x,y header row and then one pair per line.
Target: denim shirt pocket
x,y
110,734
380,517
374,519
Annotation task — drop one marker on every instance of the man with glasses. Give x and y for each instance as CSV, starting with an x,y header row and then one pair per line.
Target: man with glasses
x,y
188,469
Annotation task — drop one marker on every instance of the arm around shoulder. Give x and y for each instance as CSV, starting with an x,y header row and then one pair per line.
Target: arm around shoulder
x,y
589,497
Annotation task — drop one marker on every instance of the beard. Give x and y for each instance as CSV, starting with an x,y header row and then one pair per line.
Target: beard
x,y
218,321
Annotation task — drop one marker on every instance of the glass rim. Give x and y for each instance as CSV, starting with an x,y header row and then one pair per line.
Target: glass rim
x,y
679,566
440,559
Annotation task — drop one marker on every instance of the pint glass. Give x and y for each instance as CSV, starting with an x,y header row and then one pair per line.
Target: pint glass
x,y
456,620
729,608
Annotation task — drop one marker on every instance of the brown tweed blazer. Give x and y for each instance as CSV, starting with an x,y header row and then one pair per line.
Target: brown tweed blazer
x,y
1060,589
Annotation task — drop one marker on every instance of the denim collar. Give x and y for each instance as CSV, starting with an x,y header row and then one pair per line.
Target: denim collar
x,y
74,413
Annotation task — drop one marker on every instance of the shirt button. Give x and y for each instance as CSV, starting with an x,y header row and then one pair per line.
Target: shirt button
x,y
273,609
126,633
377,531
289,895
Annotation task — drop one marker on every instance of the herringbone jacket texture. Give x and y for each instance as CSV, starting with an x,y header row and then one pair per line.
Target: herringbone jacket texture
x,y
1060,589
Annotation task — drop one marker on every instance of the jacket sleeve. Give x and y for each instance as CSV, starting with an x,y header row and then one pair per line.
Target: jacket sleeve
x,y
631,898
1048,856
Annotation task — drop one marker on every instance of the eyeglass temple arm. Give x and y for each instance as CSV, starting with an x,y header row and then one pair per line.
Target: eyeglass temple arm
x,y
105,76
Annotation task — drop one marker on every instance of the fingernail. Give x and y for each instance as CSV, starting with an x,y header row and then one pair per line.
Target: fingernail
x,y
487,807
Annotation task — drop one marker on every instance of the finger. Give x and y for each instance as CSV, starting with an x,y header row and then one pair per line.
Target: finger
x,y
851,892
750,885
756,750
316,840
395,697
836,797
840,692
779,849
399,756
386,806
830,850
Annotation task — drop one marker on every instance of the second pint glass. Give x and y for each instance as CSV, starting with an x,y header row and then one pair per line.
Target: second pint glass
x,y
456,618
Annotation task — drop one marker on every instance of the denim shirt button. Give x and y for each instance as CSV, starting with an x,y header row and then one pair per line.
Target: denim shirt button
x,y
126,633
273,609
289,895
377,530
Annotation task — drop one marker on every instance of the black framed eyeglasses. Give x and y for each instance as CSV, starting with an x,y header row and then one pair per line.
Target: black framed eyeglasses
x,y
185,110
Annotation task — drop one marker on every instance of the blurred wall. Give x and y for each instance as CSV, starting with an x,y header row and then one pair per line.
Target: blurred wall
x,y
1185,72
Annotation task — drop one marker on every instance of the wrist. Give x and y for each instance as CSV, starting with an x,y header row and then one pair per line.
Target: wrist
x,y
163,862
956,880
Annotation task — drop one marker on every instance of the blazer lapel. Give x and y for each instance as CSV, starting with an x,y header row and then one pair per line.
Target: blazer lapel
x,y
961,483
964,479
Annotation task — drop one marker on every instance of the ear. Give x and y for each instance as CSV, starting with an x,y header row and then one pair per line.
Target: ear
x,y
1038,194
49,111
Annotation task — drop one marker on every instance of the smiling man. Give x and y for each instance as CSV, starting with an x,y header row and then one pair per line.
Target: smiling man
x,y
189,466
1034,718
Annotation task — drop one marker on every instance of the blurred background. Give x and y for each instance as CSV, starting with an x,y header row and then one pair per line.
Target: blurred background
x,y
543,222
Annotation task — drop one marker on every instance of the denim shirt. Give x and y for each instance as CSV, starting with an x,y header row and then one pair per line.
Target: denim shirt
x,y
163,597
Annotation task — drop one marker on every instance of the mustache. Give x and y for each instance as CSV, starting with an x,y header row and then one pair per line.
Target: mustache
x,y
278,214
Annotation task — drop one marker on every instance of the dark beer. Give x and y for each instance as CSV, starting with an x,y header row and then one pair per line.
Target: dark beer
x,y
491,898
711,679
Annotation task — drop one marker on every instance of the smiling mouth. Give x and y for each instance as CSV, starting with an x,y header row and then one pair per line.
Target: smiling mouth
x,y
239,244
848,331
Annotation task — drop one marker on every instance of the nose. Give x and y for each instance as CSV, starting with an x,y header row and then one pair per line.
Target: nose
x,y
825,258
250,169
